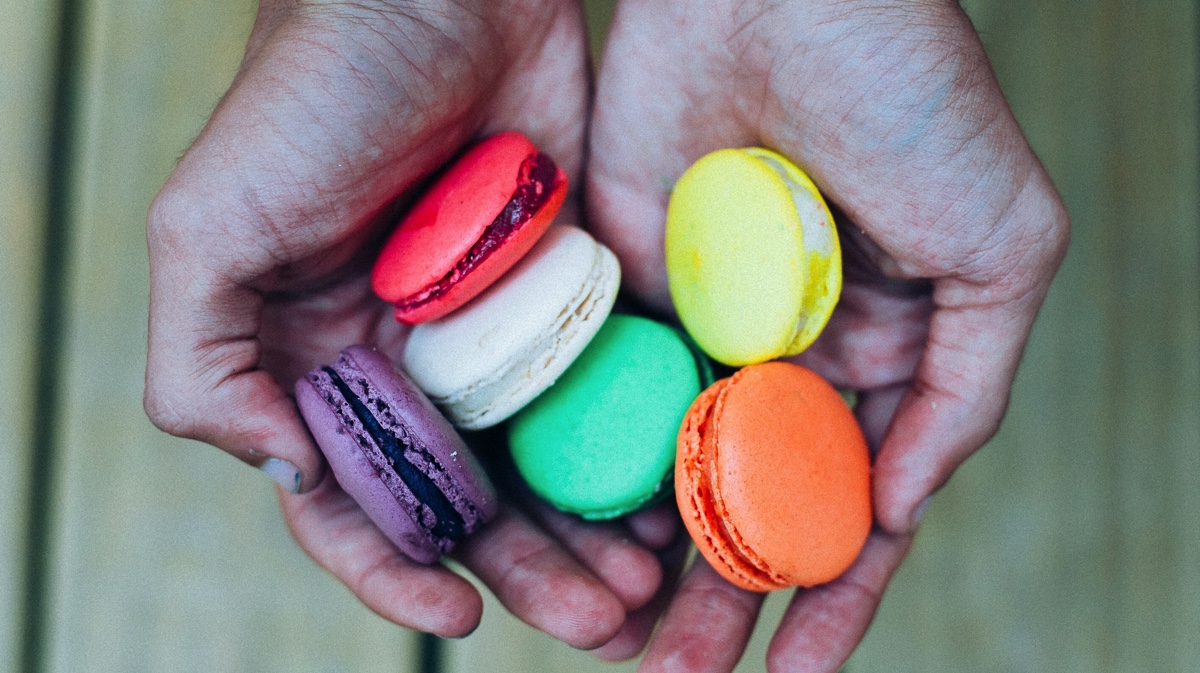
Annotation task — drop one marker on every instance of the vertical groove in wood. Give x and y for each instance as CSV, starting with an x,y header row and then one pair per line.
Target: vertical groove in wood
x,y
49,340
166,555
431,657
27,113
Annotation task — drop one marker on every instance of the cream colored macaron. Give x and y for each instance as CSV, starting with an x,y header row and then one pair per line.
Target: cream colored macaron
x,y
753,259
485,361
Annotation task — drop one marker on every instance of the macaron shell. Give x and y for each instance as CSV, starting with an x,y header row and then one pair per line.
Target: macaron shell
x,y
491,268
423,421
400,408
792,485
693,494
739,275
446,223
449,218
601,442
357,477
484,362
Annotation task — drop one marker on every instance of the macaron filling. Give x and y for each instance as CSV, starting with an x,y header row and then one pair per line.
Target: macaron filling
x,y
537,179
414,476
818,235
448,522
818,239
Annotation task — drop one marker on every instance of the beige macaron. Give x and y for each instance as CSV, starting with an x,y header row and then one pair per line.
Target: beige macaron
x,y
484,362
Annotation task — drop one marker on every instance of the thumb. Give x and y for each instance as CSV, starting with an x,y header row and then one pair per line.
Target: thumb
x,y
203,379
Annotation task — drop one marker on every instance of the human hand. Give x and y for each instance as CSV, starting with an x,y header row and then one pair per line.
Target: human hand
x,y
261,245
951,228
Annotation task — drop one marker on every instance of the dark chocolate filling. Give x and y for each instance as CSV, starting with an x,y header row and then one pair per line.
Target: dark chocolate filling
x,y
449,522
536,180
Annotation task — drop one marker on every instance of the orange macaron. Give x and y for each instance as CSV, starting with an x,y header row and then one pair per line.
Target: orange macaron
x,y
773,478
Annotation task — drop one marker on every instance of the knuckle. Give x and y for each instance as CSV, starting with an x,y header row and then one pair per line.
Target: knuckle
x,y
167,412
168,221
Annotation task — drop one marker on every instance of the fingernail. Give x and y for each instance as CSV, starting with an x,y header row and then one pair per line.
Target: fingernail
x,y
919,512
284,473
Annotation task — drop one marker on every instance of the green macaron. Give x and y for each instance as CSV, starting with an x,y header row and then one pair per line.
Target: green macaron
x,y
600,443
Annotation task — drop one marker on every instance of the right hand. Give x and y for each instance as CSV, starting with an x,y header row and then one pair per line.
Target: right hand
x,y
261,245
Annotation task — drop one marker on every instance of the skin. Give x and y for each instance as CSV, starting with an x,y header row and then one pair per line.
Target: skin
x,y
951,228
261,242
261,245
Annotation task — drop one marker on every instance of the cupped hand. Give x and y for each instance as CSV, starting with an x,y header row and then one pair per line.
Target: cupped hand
x,y
951,229
260,249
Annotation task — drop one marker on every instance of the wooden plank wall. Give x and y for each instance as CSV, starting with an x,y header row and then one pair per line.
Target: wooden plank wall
x,y
27,46
1069,544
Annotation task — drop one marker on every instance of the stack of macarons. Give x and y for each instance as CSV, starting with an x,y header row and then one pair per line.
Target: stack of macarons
x,y
501,303
606,413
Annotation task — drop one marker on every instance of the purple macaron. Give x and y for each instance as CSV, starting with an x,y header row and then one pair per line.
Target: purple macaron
x,y
395,454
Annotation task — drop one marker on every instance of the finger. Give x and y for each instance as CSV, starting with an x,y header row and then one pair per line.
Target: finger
x,y
631,572
606,548
545,92
706,628
255,194
541,583
203,381
959,395
635,631
656,527
978,216
822,626
639,624
874,339
337,535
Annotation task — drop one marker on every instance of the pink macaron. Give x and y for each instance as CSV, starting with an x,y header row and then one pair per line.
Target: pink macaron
x,y
476,221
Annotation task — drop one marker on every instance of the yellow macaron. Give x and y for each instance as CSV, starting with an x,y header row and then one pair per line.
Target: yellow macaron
x,y
753,259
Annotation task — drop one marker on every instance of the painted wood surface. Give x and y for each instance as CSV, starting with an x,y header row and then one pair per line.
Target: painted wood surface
x,y
1069,544
27,47
166,555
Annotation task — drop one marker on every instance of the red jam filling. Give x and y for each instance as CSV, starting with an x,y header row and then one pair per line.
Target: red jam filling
x,y
537,179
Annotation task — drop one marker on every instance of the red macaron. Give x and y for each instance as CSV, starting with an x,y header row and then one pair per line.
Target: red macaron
x,y
476,221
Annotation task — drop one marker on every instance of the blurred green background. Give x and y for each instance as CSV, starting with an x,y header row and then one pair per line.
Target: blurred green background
x,y
1070,543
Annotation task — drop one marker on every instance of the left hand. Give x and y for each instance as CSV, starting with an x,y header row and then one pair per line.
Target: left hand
x,y
951,226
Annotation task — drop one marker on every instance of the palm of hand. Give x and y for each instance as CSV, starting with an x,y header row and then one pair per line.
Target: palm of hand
x,y
950,226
